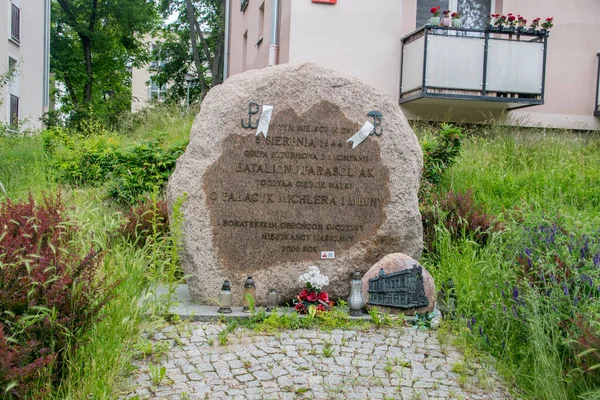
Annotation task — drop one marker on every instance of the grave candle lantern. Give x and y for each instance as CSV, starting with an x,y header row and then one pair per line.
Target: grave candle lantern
x,y
356,302
249,290
272,299
225,298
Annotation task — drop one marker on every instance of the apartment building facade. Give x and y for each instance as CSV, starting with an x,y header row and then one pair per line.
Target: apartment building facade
x,y
25,49
144,89
468,74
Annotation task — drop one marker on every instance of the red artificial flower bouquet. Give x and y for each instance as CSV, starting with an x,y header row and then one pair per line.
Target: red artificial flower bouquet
x,y
312,295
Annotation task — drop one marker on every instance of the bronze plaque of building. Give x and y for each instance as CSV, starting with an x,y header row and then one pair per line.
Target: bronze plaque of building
x,y
402,289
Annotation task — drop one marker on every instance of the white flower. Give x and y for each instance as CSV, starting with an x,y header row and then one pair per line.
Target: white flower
x,y
314,278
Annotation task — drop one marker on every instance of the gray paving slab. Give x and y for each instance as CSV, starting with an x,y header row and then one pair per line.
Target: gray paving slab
x,y
294,365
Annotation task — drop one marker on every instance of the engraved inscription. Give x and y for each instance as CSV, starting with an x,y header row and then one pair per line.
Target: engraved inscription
x,y
300,191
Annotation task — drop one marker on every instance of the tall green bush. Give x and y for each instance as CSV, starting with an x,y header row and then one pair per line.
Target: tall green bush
x,y
141,170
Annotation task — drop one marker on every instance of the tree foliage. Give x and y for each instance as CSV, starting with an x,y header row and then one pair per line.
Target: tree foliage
x,y
94,45
193,43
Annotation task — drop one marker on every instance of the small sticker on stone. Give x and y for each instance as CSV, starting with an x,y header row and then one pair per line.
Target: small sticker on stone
x,y
327,254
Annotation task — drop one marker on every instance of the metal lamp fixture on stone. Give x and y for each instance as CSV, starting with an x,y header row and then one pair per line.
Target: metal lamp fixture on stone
x,y
272,299
225,299
249,290
355,301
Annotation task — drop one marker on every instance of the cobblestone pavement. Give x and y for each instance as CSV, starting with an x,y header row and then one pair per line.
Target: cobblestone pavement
x,y
375,364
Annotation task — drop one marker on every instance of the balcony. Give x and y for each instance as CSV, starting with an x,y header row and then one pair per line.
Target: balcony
x,y
597,107
471,69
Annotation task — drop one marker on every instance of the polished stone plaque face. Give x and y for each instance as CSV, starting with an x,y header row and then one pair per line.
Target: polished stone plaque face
x,y
301,191
402,289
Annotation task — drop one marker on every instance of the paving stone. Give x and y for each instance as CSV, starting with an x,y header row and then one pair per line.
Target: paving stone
x,y
262,366
244,378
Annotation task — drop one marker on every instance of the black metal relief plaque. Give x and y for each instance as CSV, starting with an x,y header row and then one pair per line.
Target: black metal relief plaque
x,y
402,289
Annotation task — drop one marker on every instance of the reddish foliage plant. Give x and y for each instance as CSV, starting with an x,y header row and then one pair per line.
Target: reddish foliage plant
x,y
146,219
461,215
588,342
49,295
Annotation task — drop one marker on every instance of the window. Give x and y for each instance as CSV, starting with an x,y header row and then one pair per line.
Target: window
x,y
15,23
13,84
12,66
474,13
244,5
156,63
423,7
14,111
157,93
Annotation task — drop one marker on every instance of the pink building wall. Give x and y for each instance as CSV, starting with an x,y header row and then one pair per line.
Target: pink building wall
x,y
365,41
572,64
246,53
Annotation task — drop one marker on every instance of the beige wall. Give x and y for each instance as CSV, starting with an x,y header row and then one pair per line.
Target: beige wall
x,y
360,40
30,82
140,77
140,95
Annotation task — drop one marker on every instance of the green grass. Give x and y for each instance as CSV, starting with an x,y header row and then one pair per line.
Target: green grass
x,y
554,172
523,178
520,176
23,167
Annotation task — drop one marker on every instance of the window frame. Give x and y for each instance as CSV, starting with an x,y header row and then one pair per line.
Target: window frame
x,y
160,92
15,23
13,110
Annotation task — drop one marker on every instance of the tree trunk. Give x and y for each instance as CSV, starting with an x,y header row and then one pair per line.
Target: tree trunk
x,y
71,90
87,53
193,37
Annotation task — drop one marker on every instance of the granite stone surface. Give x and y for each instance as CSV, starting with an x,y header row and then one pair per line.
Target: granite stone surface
x,y
268,207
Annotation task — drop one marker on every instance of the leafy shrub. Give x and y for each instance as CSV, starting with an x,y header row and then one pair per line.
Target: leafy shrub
x,y
150,218
80,159
97,158
440,153
141,170
49,296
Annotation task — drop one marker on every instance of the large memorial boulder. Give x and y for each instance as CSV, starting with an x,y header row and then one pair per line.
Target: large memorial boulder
x,y
269,207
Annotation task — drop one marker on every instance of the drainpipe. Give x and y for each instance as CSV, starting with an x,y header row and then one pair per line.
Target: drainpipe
x,y
226,50
274,47
46,67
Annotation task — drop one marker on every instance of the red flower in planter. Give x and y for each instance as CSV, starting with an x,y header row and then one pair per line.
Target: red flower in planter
x,y
324,297
312,295
303,294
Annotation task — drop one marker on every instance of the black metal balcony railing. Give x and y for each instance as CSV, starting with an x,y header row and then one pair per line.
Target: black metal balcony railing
x,y
15,23
507,69
14,111
597,107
